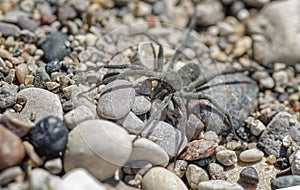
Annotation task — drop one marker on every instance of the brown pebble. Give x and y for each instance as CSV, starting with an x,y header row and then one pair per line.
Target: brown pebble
x,y
198,149
12,150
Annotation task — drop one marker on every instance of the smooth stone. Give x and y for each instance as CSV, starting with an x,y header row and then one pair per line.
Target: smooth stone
x,y
227,157
166,136
21,72
257,127
8,94
83,148
40,178
219,185
215,170
116,99
194,127
249,175
54,166
17,123
31,153
132,123
78,115
198,149
12,150
10,174
209,12
195,175
141,105
251,155
40,104
144,149
285,181
161,178
7,29
79,179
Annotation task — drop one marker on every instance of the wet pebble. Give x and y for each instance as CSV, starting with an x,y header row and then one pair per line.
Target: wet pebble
x,y
83,148
49,137
7,29
40,104
249,175
219,185
285,181
251,155
195,175
78,115
12,150
226,157
141,105
161,178
198,149
10,174
116,99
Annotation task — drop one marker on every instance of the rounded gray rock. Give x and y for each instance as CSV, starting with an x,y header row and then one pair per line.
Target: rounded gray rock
x,y
116,99
141,105
195,175
227,157
40,104
219,185
78,115
99,146
251,155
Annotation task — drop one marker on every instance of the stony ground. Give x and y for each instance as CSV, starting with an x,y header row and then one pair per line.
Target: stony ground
x,y
88,99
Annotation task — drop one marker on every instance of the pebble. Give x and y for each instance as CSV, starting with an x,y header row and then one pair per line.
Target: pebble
x,y
161,178
209,12
166,136
52,66
7,29
54,166
144,149
270,140
116,99
49,137
249,175
211,136
242,46
141,105
8,95
78,115
79,179
227,157
295,162
27,24
10,174
17,123
31,153
194,127
251,155
198,149
21,72
219,185
215,170
285,181
257,127
41,179
195,175
179,169
132,123
40,104
83,148
12,150
54,47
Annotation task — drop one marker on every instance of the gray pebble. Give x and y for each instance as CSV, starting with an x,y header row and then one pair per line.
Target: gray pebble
x,y
116,99
195,175
8,95
141,105
295,162
9,30
285,181
40,104
78,115
10,174
215,170
249,175
227,157
194,127
257,127
219,185
132,123
209,12
83,148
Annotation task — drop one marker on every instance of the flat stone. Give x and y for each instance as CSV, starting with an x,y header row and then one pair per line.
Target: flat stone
x,y
7,29
12,150
179,169
10,174
251,155
40,104
280,126
83,148
141,105
17,123
161,178
194,127
81,179
198,149
132,123
285,181
249,175
166,136
195,175
219,185
227,157
144,149
78,115
116,99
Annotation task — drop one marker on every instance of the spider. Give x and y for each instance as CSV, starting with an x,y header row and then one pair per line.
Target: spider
x,y
167,87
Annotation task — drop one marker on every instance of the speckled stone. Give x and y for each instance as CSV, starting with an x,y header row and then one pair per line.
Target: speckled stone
x,y
198,149
195,175
132,123
215,170
249,175
78,115
285,181
251,155
219,185
141,105
227,157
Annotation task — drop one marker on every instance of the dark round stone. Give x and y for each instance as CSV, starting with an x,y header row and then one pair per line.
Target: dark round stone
x,y
249,175
49,137
203,163
52,66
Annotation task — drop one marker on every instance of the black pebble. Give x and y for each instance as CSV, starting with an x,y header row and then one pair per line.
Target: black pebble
x,y
52,66
49,137
203,163
249,175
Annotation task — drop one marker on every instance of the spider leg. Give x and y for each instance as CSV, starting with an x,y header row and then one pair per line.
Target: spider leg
x,y
214,103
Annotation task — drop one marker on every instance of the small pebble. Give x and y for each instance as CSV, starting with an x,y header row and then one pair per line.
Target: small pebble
x,y
219,185
198,149
54,166
78,115
285,181
49,137
227,157
215,170
141,105
40,178
249,175
251,155
10,174
8,94
295,162
195,175
31,153
179,169
161,178
257,127
21,72
7,29
132,123
194,127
